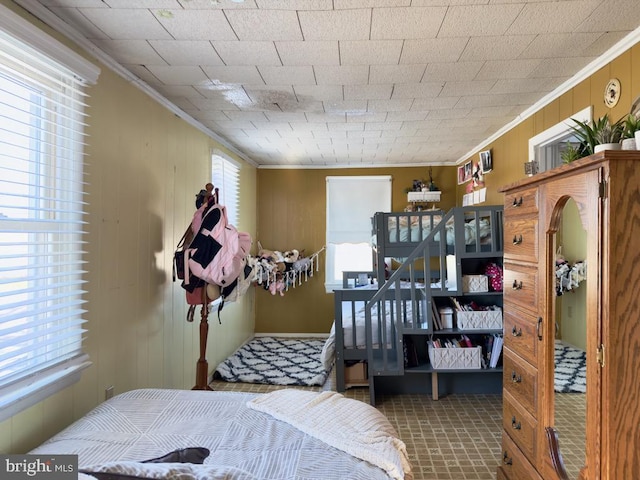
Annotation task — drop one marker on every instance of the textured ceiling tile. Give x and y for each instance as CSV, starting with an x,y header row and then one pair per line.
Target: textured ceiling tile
x,y
131,51
392,105
438,103
295,4
269,25
309,52
233,75
406,22
370,52
126,24
303,126
368,92
433,50
186,52
326,117
604,41
559,45
287,75
612,15
462,21
179,75
348,4
180,91
557,67
553,17
318,92
366,117
495,48
452,71
334,25
345,106
417,90
521,85
396,74
496,69
347,75
196,24
247,53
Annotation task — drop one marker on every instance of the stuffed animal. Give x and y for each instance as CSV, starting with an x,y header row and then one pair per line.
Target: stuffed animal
x,y
290,256
277,287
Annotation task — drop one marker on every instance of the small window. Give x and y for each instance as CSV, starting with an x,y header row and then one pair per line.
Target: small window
x,y
225,175
351,203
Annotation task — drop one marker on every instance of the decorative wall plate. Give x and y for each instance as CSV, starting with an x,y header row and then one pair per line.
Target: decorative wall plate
x,y
612,93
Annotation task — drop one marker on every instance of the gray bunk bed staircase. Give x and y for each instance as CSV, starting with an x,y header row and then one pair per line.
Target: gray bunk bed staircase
x,y
388,319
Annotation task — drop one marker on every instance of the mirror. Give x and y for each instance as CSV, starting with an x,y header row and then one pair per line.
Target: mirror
x,y
570,339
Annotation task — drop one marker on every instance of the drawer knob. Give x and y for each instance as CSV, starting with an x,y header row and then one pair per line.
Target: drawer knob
x,y
515,378
516,332
515,425
506,459
517,239
517,202
517,285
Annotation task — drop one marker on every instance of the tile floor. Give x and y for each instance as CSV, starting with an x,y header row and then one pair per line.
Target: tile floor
x,y
454,438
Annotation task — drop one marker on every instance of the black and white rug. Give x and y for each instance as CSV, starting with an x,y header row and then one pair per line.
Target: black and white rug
x,y
570,369
276,361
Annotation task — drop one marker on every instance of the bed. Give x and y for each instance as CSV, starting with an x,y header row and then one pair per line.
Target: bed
x,y
230,435
470,232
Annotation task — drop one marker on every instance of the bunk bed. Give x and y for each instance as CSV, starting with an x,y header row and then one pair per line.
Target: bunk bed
x,y
372,320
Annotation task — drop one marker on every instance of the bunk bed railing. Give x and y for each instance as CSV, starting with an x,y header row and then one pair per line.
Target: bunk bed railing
x,y
385,351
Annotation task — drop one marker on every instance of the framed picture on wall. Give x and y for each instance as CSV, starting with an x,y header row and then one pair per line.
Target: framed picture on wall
x,y
486,163
460,174
468,171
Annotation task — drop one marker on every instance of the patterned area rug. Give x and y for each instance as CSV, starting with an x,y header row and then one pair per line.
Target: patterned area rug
x,y
570,369
276,361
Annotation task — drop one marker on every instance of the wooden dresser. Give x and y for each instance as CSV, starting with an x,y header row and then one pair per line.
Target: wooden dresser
x,y
606,190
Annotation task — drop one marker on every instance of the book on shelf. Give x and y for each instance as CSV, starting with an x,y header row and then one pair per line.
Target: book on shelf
x,y
437,323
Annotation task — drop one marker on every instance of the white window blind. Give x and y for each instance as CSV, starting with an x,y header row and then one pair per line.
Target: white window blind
x,y
225,175
351,202
41,219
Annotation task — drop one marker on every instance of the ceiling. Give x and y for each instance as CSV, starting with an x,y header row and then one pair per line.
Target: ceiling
x,y
328,83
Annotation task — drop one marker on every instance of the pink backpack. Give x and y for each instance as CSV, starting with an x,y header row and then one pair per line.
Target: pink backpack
x,y
219,252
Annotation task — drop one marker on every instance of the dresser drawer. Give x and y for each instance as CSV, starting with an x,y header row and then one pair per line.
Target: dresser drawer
x,y
521,286
515,466
521,239
520,380
524,202
520,425
521,334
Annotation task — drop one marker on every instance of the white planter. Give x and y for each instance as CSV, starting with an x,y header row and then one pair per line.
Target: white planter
x,y
606,146
629,144
637,135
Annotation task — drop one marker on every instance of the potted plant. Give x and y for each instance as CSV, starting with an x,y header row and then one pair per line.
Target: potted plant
x,y
631,126
600,134
572,152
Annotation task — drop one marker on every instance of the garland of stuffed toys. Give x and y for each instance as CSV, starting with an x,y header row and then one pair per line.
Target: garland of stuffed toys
x,y
277,271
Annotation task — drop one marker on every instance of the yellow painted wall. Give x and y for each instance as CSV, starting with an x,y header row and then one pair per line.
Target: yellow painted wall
x,y
291,214
291,203
144,167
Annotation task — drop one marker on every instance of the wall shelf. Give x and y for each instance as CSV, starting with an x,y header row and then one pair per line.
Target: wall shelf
x,y
424,197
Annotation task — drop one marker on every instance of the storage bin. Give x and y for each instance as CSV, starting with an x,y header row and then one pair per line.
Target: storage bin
x,y
356,375
455,358
479,320
475,283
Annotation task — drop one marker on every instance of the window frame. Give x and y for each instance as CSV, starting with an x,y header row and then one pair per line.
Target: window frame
x,y
43,207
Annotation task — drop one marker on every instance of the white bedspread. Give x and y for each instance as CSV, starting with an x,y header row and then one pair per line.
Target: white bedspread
x,y
348,425
244,444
